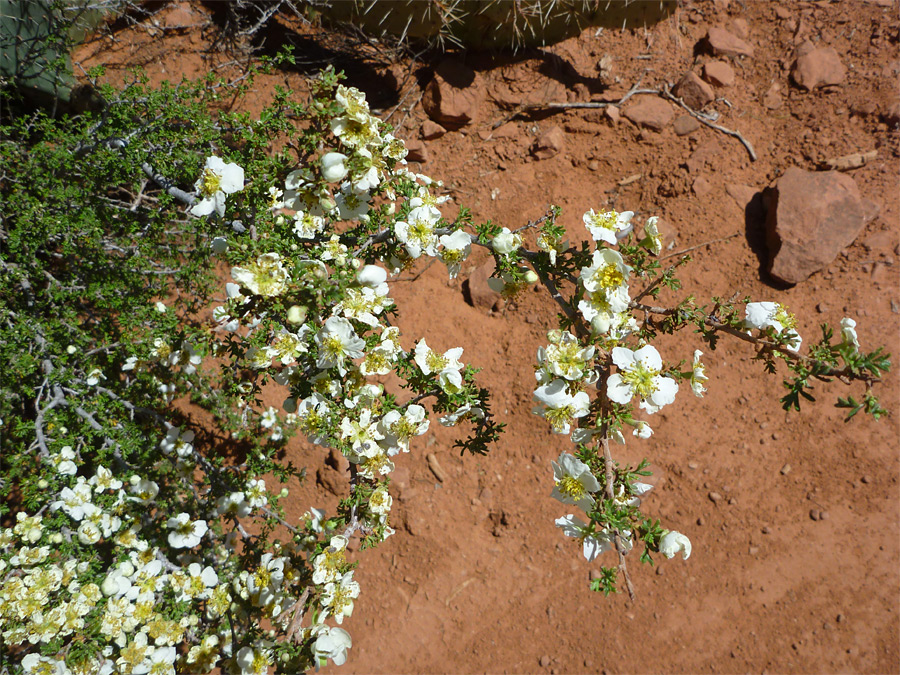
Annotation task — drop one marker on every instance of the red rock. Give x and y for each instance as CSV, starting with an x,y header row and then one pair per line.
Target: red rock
x,y
549,144
453,97
180,16
685,124
479,294
818,68
811,217
701,186
694,91
891,117
742,194
416,151
431,130
782,12
613,113
650,112
718,74
724,43
740,27
772,98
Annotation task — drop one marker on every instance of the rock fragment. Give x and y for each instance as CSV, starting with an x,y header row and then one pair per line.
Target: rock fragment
x,y
476,288
416,151
718,74
724,43
685,124
811,217
549,144
431,130
819,67
650,112
694,92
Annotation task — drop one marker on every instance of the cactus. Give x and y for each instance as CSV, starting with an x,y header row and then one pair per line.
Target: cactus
x,y
490,24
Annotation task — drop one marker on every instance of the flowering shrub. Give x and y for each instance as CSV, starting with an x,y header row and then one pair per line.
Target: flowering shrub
x,y
134,542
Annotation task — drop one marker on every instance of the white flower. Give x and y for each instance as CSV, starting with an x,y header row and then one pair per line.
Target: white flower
x,y
430,361
450,381
373,277
456,249
566,357
339,596
266,276
607,274
234,504
652,240
561,408
333,169
269,418
217,180
361,434
574,482
698,375
397,429
848,333
593,543
417,231
331,643
464,412
639,375
254,661
506,242
642,430
763,315
65,461
307,225
673,542
352,204
604,226
337,342
326,565
256,493
185,533
94,377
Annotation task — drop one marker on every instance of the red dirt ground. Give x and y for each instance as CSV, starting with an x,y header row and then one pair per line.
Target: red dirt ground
x,y
478,578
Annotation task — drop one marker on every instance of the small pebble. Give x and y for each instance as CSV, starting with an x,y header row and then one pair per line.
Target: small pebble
x,y
692,465
732,501
545,661
700,521
821,308
866,479
715,497
753,550
660,571
814,514
824,515
840,618
767,530
588,663
785,470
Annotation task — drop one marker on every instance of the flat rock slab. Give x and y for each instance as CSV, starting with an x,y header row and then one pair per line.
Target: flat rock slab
x,y
811,217
650,112
724,43
818,68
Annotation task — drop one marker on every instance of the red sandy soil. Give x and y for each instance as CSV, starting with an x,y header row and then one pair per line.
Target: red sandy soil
x,y
478,578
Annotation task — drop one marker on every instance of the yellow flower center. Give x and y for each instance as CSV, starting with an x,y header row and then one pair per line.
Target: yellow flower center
x,y
209,183
609,276
571,487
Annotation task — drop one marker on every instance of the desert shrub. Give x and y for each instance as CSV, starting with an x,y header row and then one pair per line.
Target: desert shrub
x,y
138,541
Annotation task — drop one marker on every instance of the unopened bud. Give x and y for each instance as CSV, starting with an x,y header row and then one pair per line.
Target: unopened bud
x,y
284,493
71,349
56,538
42,484
530,277
296,314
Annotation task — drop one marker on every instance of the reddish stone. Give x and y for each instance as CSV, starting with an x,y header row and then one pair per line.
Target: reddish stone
x,y
811,217
818,68
549,144
416,151
718,74
431,130
685,124
724,43
694,91
479,294
650,112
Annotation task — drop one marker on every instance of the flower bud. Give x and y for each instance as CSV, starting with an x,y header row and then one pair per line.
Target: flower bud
x,y
355,263
284,493
531,277
56,538
110,585
296,314
42,484
71,349
333,169
371,276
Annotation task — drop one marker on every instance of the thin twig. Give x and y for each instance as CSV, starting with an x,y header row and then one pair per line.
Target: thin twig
x,y
665,93
705,243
